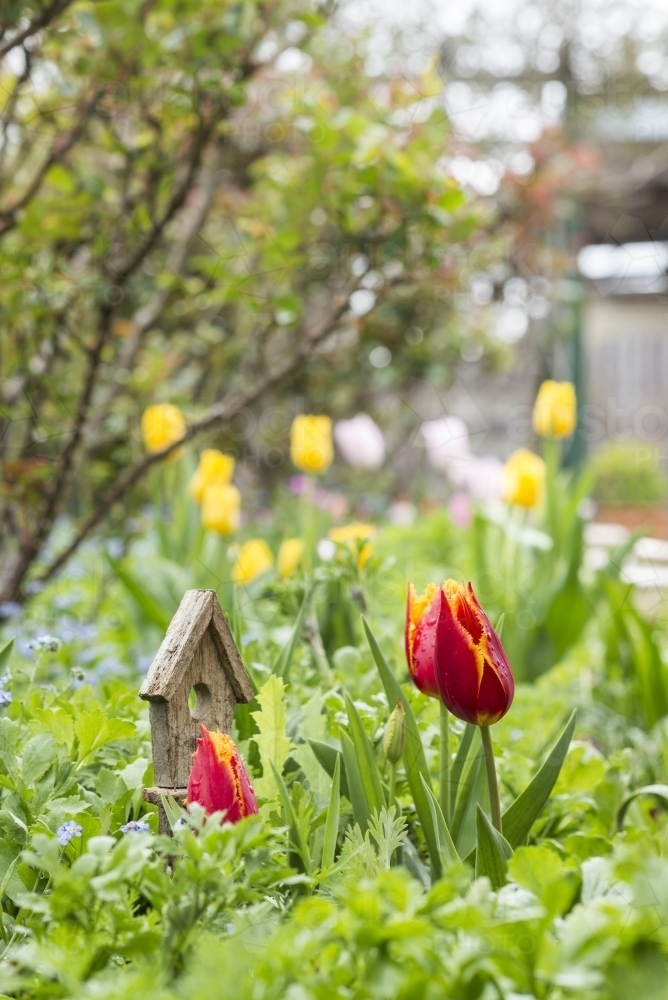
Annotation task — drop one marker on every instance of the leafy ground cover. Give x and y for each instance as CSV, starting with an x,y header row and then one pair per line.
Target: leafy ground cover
x,y
326,893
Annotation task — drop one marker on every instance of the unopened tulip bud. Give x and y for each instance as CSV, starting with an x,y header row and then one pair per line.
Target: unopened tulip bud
x,y
555,410
394,739
311,448
523,478
162,425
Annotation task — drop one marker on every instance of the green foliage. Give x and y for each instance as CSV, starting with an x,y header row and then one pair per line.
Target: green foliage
x,y
624,473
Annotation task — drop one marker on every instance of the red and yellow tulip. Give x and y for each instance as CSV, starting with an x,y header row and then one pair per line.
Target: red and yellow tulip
x,y
420,637
473,675
218,780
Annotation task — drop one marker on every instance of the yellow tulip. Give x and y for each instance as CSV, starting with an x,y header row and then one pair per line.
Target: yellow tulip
x,y
214,467
523,478
162,425
254,559
311,448
289,556
555,410
221,508
352,535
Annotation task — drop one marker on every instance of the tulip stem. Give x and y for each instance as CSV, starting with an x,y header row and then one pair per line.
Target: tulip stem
x,y
552,456
494,801
445,763
307,512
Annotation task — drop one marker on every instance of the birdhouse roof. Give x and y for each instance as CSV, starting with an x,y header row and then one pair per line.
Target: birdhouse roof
x,y
198,611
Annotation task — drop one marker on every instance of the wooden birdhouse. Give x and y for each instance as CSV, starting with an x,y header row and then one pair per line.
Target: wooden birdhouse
x,y
196,677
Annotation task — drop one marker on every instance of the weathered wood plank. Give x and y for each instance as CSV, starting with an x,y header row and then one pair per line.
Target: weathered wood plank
x,y
183,636
239,679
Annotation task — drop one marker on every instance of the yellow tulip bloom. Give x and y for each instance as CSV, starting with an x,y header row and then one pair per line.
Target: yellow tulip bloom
x,y
221,508
289,556
162,425
352,535
311,448
523,478
555,410
254,559
214,467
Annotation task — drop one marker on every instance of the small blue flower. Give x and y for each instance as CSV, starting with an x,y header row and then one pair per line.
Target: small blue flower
x,y
10,609
5,698
68,830
136,826
45,644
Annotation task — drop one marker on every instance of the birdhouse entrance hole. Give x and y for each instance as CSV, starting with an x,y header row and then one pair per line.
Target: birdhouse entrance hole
x,y
199,702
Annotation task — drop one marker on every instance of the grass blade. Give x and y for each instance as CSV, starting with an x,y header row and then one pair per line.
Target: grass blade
x,y
285,657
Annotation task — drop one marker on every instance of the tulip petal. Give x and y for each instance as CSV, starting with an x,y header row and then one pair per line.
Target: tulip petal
x,y
420,638
218,780
473,675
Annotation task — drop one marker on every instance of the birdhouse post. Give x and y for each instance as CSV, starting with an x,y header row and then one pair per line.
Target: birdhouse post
x,y
198,656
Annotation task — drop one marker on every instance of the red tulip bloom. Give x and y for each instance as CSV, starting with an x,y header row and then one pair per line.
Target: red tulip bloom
x,y
420,637
218,779
473,674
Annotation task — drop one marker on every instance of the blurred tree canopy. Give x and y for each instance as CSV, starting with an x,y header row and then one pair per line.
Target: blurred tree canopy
x,y
205,204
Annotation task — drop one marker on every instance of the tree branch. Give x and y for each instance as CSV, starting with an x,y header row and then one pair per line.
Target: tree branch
x,y
41,21
217,414
60,148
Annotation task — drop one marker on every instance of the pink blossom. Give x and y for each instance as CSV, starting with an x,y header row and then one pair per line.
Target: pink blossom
x,y
483,478
448,447
360,441
459,506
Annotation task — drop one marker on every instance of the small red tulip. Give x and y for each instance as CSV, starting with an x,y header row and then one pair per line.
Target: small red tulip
x,y
473,675
420,637
218,779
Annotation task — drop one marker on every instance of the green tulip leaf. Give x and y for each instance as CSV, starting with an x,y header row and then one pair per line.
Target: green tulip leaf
x,y
362,809
472,789
327,757
415,761
521,815
459,762
298,842
366,761
5,653
447,850
332,824
173,811
492,851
